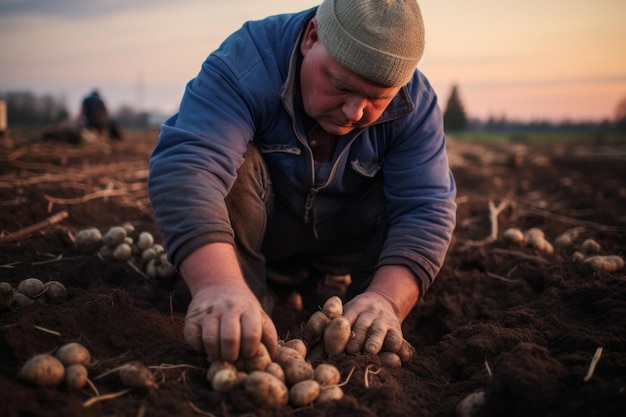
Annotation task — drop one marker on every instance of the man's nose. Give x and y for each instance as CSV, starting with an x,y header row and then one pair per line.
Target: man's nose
x,y
354,107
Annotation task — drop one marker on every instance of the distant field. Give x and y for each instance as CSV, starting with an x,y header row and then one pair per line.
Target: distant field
x,y
530,137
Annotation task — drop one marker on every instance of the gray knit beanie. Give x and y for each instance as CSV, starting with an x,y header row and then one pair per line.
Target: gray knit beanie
x,y
381,40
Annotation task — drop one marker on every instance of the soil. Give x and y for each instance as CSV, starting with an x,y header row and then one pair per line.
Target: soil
x,y
514,326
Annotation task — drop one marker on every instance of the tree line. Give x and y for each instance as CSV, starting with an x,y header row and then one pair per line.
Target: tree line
x,y
26,109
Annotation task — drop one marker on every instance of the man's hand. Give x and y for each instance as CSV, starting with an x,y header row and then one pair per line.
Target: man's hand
x,y
376,315
224,318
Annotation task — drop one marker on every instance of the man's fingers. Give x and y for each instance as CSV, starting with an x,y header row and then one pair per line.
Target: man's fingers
x,y
269,335
393,341
230,337
193,335
375,338
210,342
355,344
251,335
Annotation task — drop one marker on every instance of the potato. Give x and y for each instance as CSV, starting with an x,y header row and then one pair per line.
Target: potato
x,y
165,270
608,263
534,232
6,295
259,361
540,244
276,370
151,268
336,336
88,239
55,291
567,238
304,393
148,254
297,370
76,376
123,252
470,405
327,374
73,353
217,366
114,236
298,345
22,300
578,257
390,359
136,375
330,393
513,235
285,354
225,380
266,390
333,307
590,246
43,370
31,287
145,240
406,352
317,323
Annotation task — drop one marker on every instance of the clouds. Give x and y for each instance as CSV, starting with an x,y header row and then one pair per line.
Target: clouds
x,y
72,9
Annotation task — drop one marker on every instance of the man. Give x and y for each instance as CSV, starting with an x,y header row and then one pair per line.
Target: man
x,y
94,116
307,145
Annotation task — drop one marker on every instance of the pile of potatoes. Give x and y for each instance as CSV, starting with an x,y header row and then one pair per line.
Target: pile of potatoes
x,y
331,333
588,253
124,244
287,379
68,366
29,291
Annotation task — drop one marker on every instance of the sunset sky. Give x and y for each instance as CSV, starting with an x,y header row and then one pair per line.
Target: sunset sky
x,y
537,59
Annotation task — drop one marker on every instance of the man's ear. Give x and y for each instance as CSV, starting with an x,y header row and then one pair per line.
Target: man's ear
x,y
309,38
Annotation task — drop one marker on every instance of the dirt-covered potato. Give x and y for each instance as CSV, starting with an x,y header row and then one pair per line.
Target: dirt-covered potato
x,y
317,323
298,345
73,353
55,291
225,380
513,235
276,370
31,287
43,370
607,263
304,393
330,393
136,375
266,390
259,361
285,354
333,307
336,336
6,295
327,374
390,359
88,239
76,377
297,370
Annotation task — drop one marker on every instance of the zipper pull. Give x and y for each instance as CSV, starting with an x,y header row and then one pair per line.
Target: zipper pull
x,y
308,205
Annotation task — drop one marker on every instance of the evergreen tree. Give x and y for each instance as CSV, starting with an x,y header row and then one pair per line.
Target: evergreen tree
x,y
620,116
454,117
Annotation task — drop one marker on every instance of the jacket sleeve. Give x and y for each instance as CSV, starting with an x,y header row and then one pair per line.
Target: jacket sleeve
x,y
196,159
420,190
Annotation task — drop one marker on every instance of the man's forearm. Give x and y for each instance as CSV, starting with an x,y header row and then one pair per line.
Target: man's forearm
x,y
398,284
212,263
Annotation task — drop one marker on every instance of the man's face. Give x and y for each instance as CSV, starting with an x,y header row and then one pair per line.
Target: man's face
x,y
337,98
